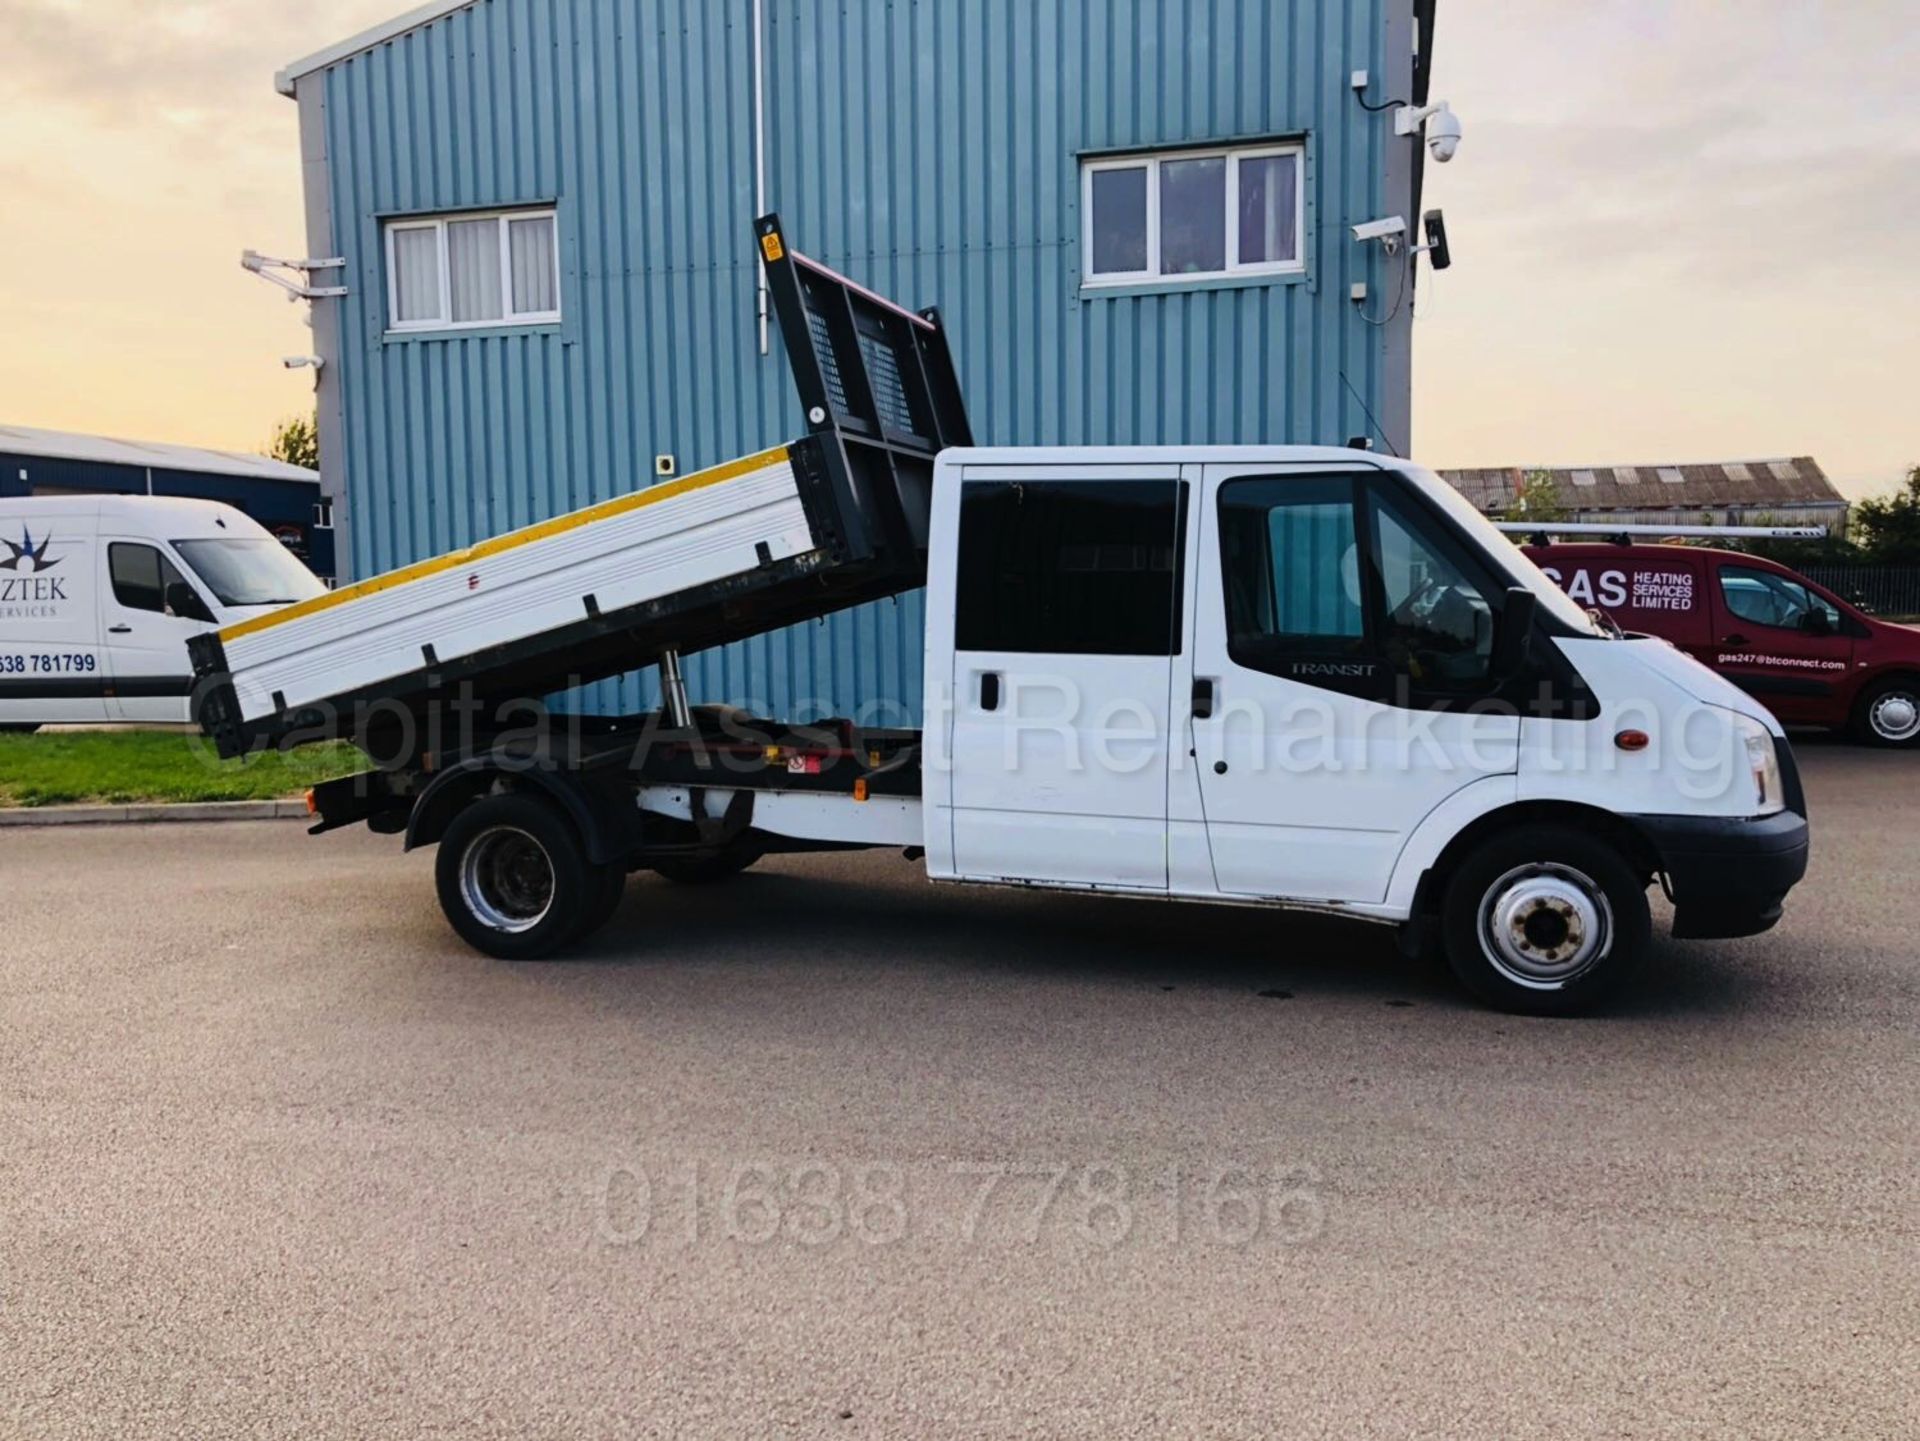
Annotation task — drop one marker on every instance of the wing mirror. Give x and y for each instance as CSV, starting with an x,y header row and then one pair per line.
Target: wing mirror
x,y
185,603
1513,633
1816,622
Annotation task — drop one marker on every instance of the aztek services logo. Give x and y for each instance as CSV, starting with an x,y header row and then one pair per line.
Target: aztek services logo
x,y
27,593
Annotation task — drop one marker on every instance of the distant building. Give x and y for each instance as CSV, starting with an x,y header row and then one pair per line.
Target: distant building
x,y
283,498
1736,492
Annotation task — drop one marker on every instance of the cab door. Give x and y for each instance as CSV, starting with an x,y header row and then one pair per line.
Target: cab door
x,y
146,632
1068,614
1780,641
1340,630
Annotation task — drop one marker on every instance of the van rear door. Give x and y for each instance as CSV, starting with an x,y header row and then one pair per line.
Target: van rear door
x,y
51,667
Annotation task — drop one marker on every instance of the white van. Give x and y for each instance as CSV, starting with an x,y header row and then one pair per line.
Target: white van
x,y
99,593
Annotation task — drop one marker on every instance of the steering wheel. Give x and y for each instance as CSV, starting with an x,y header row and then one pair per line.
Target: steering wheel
x,y
1408,609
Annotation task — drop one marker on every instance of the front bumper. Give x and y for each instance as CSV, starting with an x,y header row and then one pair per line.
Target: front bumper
x,y
1728,877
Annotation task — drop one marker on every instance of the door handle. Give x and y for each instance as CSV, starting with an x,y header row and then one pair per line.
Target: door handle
x,y
1203,699
1735,639
989,690
119,630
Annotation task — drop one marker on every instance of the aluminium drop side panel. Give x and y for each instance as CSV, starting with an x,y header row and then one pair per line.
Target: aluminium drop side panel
x,y
516,588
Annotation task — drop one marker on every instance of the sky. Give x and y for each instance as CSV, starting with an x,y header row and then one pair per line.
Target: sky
x,y
1681,230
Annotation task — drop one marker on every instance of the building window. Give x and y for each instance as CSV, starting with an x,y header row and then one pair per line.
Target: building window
x,y
460,272
1193,215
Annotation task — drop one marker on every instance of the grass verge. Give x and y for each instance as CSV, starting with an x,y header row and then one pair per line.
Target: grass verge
x,y
143,767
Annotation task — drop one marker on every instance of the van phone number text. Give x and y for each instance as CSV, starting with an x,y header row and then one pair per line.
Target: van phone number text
x,y
48,664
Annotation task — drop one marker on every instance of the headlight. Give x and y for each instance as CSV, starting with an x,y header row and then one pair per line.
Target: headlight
x,y
1764,761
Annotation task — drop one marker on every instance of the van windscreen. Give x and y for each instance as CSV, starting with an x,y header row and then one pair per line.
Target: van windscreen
x,y
249,572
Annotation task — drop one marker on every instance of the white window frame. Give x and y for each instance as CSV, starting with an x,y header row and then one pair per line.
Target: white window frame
x,y
444,321
1235,267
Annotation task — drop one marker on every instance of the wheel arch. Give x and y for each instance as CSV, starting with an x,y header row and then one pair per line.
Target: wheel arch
x,y
1870,681
606,831
1621,833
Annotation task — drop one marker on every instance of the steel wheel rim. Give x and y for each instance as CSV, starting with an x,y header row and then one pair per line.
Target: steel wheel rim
x,y
1895,716
1543,926
507,880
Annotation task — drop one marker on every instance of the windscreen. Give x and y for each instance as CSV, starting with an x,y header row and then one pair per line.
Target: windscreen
x,y
1507,556
249,572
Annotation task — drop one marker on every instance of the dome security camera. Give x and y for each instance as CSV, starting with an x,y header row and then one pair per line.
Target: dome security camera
x,y
1442,127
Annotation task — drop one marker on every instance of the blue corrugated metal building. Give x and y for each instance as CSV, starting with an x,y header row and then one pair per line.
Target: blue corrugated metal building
x,y
1133,214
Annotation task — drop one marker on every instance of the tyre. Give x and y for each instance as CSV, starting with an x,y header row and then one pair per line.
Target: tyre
x,y
1543,920
26,729
512,879
1888,713
705,870
612,882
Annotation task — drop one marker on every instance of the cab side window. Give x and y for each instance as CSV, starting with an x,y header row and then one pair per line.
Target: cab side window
x,y
1760,597
1290,564
141,576
1073,567
1336,582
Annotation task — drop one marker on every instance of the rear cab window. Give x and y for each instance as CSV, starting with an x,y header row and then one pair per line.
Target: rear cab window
x,y
1071,567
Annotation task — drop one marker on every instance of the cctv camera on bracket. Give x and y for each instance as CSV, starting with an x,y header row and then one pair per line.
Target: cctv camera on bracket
x,y
1387,231
1442,127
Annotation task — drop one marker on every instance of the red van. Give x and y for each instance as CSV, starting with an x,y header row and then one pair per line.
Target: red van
x,y
1809,656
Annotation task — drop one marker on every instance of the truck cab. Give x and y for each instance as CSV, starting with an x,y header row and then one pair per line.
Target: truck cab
x,y
1811,657
1316,677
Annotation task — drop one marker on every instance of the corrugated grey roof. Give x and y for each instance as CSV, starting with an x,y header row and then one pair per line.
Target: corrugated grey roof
x,y
65,445
1742,484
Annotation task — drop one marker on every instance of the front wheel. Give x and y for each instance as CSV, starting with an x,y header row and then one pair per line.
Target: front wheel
x,y
512,879
1544,921
1888,713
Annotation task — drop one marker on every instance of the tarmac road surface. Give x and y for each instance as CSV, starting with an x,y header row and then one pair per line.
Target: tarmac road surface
x,y
831,1152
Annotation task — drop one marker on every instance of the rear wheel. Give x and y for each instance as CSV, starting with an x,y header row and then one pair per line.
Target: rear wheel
x,y
11,729
512,879
1888,713
612,882
704,870
1544,921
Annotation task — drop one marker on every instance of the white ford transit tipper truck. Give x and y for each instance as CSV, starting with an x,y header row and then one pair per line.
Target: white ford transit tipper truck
x,y
99,593
1271,675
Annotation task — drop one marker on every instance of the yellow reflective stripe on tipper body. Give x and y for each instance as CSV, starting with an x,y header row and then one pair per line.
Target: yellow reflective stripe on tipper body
x,y
512,540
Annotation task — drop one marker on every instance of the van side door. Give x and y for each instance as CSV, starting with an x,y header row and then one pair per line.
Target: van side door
x,y
1780,641
52,668
145,634
1067,613
1342,633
